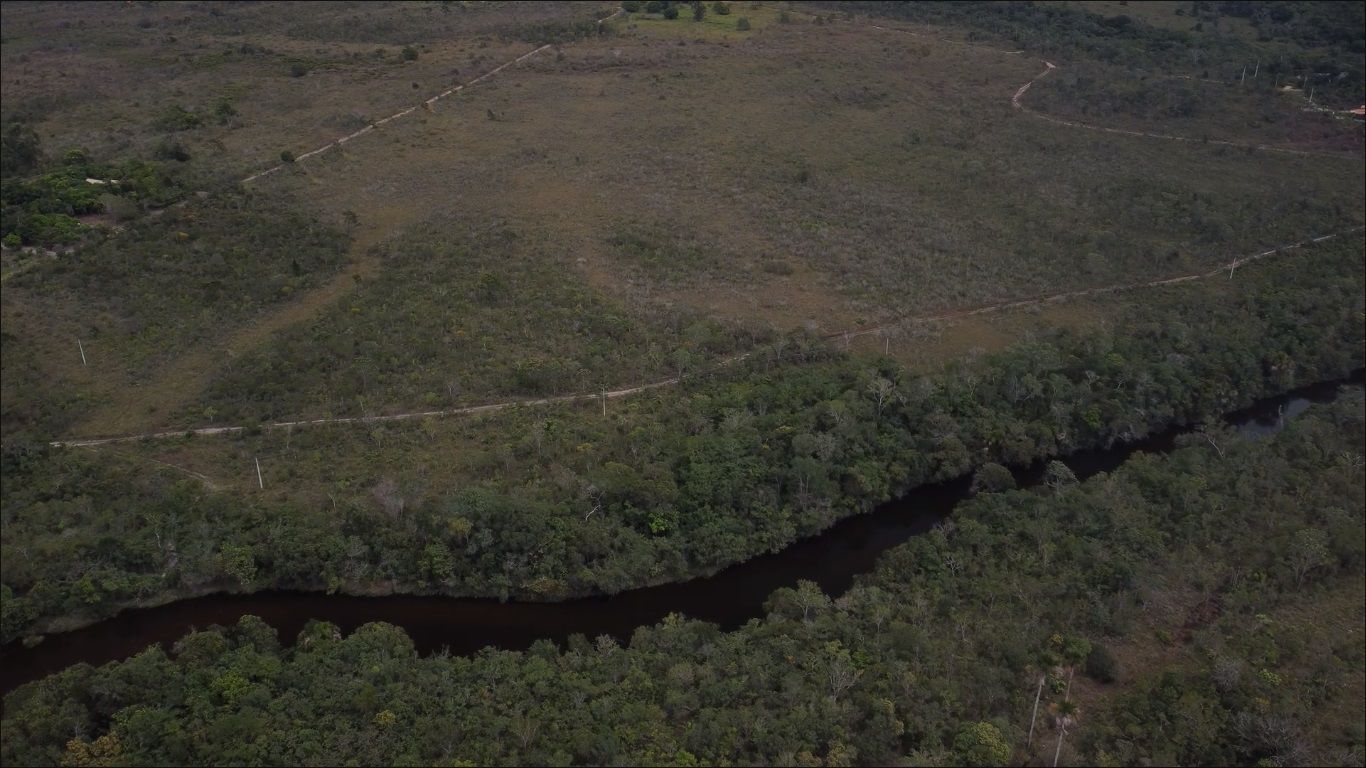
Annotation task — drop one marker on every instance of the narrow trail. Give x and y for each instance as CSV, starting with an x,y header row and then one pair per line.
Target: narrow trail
x,y
1228,268
426,104
295,312
205,479
336,144
1017,102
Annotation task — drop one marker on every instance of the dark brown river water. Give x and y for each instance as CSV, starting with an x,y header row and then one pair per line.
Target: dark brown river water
x,y
729,598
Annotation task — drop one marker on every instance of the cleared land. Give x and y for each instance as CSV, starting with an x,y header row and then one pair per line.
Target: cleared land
x,y
700,190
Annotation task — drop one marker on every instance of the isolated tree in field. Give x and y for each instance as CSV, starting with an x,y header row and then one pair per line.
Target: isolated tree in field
x,y
671,12
286,156
720,9
409,53
742,24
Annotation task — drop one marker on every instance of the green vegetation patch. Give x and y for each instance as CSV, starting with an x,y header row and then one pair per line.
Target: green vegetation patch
x,y
936,658
687,481
457,318
158,288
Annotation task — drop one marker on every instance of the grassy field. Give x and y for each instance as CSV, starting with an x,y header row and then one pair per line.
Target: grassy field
x,y
700,188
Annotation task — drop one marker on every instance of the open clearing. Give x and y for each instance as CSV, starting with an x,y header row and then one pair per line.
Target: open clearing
x,y
710,189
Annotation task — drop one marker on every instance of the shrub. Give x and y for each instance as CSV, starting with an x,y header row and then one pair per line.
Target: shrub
x,y
742,24
177,118
170,149
20,149
287,156
409,53
720,9
671,12
699,11
121,208
298,69
224,112
1101,664
631,6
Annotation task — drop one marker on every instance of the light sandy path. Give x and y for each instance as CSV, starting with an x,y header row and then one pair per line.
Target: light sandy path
x,y
408,111
1017,102
1228,268
399,114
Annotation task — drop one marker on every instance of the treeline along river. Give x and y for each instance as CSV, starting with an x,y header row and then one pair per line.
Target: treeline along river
x,y
728,598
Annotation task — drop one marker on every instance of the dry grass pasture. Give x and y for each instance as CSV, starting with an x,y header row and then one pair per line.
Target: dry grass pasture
x,y
701,187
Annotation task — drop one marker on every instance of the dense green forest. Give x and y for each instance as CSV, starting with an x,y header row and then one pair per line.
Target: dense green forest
x,y
1219,566
687,481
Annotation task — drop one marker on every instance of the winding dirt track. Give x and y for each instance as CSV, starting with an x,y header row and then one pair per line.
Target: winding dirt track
x,y
1016,101
399,114
405,112
1226,268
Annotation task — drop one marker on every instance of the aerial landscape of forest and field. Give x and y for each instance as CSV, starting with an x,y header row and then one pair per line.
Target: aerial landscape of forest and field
x,y
683,383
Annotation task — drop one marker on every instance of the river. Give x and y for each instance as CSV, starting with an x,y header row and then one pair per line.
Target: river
x,y
729,598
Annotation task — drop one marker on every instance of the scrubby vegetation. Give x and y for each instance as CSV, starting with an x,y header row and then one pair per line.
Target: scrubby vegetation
x,y
459,317
935,658
690,481
152,291
41,208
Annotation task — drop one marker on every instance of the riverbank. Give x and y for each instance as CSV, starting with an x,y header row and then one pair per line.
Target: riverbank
x,y
729,597
1214,581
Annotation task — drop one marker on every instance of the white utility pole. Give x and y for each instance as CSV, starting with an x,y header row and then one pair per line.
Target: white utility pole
x,y
259,480
81,347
